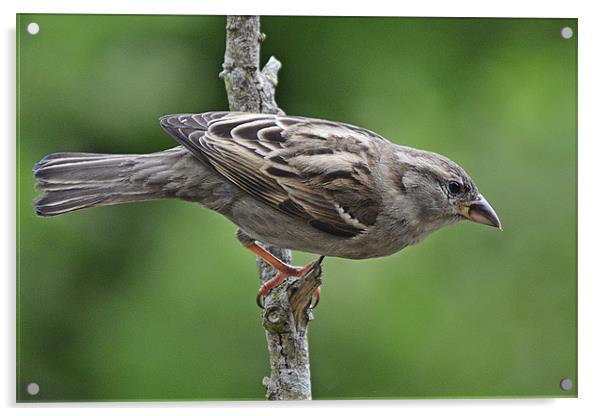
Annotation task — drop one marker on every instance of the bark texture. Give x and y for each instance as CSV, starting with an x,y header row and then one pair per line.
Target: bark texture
x,y
287,311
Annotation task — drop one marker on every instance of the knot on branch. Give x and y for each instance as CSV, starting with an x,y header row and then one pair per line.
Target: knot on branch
x,y
277,320
287,309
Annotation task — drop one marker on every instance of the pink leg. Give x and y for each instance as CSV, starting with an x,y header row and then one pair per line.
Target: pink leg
x,y
274,261
284,271
271,284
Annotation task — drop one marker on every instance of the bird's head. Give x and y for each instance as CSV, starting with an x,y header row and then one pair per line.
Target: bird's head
x,y
440,191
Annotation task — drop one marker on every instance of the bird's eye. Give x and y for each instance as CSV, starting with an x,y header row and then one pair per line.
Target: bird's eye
x,y
454,187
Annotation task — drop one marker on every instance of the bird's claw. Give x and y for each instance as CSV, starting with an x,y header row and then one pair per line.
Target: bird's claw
x,y
315,299
267,287
261,294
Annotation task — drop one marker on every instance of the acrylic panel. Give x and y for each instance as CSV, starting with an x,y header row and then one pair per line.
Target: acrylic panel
x,y
155,300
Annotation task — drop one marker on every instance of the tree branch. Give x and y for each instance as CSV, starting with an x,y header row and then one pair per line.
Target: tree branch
x,y
287,311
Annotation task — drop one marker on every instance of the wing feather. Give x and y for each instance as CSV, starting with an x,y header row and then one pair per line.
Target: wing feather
x,y
315,170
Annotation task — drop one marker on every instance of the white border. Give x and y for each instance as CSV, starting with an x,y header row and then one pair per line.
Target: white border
x,y
590,236
461,8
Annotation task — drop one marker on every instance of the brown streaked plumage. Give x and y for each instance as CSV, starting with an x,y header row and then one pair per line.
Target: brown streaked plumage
x,y
315,170
301,183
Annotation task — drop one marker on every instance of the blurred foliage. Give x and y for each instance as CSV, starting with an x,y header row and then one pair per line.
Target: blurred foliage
x,y
155,301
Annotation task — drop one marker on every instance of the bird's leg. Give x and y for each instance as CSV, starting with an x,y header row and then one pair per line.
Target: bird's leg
x,y
284,271
275,262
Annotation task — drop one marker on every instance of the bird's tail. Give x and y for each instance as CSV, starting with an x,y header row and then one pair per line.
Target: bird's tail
x,y
73,181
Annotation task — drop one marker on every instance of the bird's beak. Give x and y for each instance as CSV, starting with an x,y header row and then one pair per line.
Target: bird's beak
x,y
480,211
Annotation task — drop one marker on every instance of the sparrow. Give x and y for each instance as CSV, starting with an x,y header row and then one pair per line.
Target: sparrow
x,y
301,183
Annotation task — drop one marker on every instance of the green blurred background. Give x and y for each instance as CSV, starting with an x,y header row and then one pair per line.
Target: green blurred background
x,y
156,300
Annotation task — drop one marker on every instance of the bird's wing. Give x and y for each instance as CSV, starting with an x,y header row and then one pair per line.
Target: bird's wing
x,y
311,169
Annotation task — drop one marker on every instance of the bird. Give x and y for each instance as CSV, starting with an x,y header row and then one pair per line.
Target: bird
x,y
307,184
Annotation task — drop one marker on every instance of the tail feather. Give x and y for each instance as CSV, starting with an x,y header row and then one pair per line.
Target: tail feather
x,y
48,207
73,181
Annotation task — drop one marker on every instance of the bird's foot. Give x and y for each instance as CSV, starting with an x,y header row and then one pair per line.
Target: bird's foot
x,y
282,275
